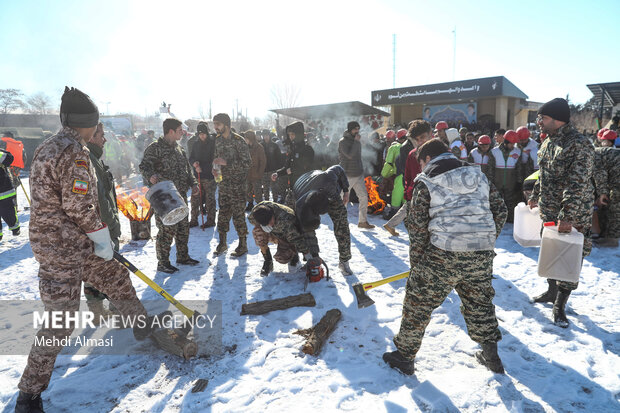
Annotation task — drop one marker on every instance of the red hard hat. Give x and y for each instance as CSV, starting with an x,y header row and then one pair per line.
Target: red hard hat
x,y
401,133
523,133
441,125
484,140
610,135
601,132
511,136
390,134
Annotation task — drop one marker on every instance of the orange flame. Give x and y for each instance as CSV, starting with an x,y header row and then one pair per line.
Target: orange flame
x,y
375,203
133,204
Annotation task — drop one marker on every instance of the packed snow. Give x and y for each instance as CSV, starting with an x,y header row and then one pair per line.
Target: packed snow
x,y
263,368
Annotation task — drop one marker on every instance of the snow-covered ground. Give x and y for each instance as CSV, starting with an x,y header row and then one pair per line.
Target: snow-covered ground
x,y
547,368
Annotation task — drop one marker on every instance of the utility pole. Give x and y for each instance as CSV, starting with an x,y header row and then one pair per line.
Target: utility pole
x,y
210,116
454,55
394,60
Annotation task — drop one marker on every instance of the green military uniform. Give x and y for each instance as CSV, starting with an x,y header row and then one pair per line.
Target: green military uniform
x,y
564,190
607,181
232,188
436,271
286,233
108,209
168,162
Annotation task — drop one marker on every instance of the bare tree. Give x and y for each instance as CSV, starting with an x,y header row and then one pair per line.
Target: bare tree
x,y
285,95
39,104
10,100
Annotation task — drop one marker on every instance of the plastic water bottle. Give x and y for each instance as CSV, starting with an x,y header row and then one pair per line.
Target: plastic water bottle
x,y
218,173
527,226
560,255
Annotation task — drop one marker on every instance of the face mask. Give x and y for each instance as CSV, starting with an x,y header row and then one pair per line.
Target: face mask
x,y
267,228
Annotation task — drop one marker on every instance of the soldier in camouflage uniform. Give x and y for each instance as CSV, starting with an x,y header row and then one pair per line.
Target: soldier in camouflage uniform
x,y
233,157
309,205
607,181
456,216
106,195
277,223
68,238
165,160
564,190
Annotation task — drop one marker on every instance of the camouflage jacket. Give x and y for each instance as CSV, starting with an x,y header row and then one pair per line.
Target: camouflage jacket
x,y
169,163
106,193
236,152
63,188
606,170
287,228
564,189
420,218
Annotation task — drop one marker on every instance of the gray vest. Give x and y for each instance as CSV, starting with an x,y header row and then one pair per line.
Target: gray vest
x,y
461,218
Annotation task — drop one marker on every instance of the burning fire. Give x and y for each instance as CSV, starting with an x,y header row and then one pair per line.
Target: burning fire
x,y
375,203
133,203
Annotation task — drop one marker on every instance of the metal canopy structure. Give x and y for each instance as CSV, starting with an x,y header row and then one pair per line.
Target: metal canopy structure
x,y
331,111
607,93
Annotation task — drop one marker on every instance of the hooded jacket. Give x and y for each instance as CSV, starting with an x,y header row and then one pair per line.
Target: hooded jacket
x,y
202,152
300,155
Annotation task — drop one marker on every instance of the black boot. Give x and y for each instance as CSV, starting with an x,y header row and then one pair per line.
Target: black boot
x,y
249,207
489,357
559,316
16,231
187,261
29,403
166,267
267,265
549,295
143,328
398,361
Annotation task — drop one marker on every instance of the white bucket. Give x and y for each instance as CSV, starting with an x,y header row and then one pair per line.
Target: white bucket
x,y
527,226
167,203
560,255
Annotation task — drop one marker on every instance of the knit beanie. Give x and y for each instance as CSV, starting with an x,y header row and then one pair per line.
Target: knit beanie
x,y
77,110
557,109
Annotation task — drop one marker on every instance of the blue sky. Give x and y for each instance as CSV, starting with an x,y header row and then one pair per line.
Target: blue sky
x,y
135,54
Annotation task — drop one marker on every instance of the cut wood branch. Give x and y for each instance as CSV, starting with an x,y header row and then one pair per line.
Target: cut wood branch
x,y
263,307
316,336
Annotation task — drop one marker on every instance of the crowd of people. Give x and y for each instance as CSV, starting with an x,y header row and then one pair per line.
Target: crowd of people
x,y
454,189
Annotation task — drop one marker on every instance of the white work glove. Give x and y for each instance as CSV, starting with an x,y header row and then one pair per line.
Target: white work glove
x,y
104,247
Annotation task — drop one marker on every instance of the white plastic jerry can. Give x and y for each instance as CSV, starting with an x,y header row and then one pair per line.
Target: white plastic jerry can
x,y
560,255
527,225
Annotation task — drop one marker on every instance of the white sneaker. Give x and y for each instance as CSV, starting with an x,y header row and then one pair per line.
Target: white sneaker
x,y
343,266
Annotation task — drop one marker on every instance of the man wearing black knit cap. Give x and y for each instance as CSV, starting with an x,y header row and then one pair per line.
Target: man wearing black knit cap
x,y
564,190
69,240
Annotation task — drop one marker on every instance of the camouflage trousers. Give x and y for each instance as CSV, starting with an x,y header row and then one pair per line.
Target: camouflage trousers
x,y
232,205
8,213
166,234
255,191
285,252
90,292
609,216
207,189
60,289
268,184
429,283
338,213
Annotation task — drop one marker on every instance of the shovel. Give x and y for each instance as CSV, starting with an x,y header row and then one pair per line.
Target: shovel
x,y
363,300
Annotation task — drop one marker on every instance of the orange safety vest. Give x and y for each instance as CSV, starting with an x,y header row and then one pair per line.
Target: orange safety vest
x,y
17,149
